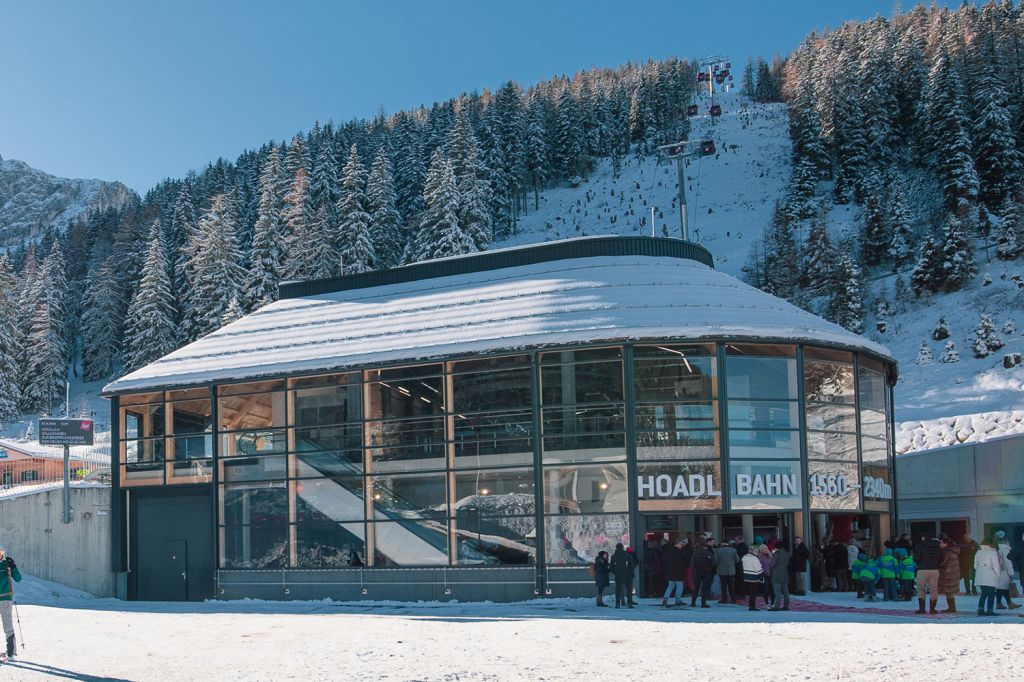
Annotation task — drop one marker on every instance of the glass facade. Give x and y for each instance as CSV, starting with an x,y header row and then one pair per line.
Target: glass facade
x,y
514,459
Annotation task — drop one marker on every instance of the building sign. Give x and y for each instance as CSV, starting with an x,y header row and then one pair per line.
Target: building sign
x,y
679,486
833,485
65,432
766,485
877,489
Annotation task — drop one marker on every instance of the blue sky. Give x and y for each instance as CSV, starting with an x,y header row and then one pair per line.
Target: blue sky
x,y
141,90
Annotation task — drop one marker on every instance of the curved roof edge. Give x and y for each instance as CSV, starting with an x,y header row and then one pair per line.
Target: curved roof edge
x,y
578,247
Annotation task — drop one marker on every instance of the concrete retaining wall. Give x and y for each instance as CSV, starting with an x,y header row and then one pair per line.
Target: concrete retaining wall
x,y
75,554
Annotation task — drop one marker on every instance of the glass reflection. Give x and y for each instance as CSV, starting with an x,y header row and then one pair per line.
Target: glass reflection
x,y
410,543
765,485
497,540
764,444
834,485
585,489
576,540
828,382
763,414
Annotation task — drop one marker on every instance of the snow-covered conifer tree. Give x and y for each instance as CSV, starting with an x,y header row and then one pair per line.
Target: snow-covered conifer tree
x,y
957,255
941,331
986,339
924,354
9,341
820,258
385,220
264,274
900,249
846,305
101,342
949,353
927,272
150,332
355,244
218,275
439,232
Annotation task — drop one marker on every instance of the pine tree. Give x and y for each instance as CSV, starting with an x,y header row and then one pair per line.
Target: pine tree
x,y
875,237
9,340
355,244
951,147
747,79
986,339
780,257
901,292
846,305
150,332
949,353
439,234
927,273
46,341
1009,238
802,187
101,342
218,275
410,172
385,221
568,145
924,354
264,274
941,331
820,258
536,147
957,266
900,249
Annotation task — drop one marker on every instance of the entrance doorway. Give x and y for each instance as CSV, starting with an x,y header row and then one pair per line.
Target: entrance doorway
x,y
660,530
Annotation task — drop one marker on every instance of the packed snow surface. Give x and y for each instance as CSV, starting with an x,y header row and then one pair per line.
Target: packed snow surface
x,y
567,301
71,635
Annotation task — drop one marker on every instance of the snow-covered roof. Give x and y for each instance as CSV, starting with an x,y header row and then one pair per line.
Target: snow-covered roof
x,y
565,301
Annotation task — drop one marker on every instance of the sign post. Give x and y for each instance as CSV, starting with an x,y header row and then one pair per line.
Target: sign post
x,y
66,432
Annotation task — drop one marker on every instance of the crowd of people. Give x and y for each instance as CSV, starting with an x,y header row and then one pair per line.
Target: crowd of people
x,y
766,573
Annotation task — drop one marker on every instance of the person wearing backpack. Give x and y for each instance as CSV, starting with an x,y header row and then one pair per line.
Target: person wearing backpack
x,y
9,574
908,568
868,573
753,578
888,568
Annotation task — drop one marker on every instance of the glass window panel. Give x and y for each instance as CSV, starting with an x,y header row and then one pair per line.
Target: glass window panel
x,y
677,416
832,417
828,382
576,540
868,362
328,463
495,541
492,391
677,445
583,434
199,446
327,405
403,398
877,486
833,485
323,543
326,380
496,492
872,424
753,376
192,471
407,444
829,354
330,499
251,387
871,390
493,439
410,543
253,411
239,469
252,443
491,364
765,485
191,416
678,378
260,503
140,398
329,438
578,381
189,394
764,445
874,450
259,545
763,414
409,496
404,373
679,486
832,446
143,452
585,489
143,421
588,355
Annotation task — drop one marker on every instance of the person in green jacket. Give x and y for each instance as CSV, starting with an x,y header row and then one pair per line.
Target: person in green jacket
x,y
908,569
8,571
868,575
855,567
888,568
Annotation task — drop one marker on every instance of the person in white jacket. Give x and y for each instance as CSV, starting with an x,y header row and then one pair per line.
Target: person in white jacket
x,y
1003,589
989,572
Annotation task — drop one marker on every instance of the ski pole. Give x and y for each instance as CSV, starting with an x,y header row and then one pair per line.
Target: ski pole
x,y
17,617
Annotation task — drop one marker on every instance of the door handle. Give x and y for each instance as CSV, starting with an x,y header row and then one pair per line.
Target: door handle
x,y
183,576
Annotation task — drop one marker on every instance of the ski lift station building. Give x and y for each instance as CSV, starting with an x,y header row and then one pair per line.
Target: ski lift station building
x,y
479,427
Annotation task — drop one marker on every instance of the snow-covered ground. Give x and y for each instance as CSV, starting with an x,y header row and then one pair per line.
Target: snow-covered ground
x,y
74,636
